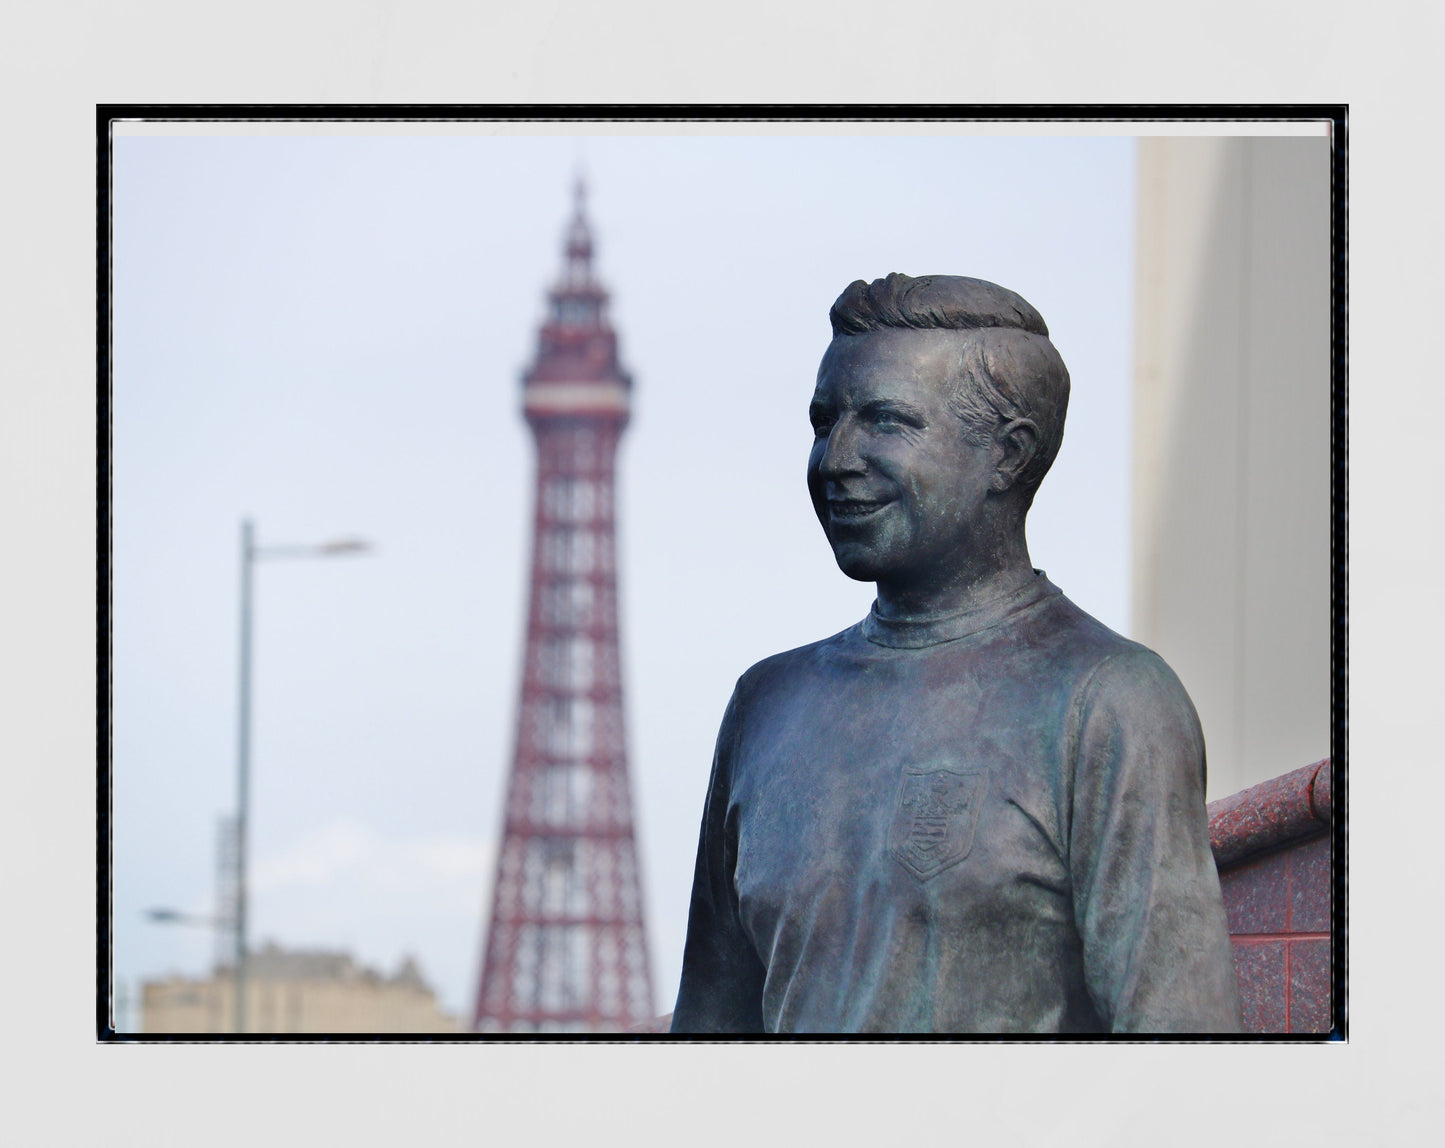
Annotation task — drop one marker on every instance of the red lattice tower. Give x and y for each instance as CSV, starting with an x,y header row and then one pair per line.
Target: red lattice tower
x,y
566,950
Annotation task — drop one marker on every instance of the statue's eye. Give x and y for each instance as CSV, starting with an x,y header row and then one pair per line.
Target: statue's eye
x,y
822,427
891,418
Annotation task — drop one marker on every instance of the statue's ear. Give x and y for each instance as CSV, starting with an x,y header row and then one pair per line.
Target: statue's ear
x,y
1015,444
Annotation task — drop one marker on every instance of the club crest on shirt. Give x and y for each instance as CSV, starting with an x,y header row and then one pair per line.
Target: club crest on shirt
x,y
937,813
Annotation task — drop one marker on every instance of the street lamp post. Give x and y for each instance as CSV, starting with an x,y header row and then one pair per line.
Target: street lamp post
x,y
243,769
250,552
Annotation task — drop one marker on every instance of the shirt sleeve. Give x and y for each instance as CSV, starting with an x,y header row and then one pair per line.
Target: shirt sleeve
x,y
722,977
1157,955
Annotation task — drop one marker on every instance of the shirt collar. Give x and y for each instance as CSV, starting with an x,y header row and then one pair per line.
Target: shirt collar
x,y
909,635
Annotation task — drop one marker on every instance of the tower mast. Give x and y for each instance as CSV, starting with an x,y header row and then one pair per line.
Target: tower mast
x,y
566,949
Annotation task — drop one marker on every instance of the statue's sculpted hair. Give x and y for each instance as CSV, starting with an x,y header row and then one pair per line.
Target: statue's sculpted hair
x,y
1007,368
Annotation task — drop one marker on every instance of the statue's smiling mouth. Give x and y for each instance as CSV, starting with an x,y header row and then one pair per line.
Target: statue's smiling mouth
x,y
855,509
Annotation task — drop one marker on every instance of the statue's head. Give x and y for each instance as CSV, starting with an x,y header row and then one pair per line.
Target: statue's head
x,y
938,410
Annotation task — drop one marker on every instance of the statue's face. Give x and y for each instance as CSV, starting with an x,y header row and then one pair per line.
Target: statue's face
x,y
898,488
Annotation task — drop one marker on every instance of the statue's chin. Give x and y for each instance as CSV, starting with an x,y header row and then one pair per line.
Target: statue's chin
x,y
863,553
858,563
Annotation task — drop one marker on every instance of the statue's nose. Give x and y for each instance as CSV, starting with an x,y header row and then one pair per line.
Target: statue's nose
x,y
841,455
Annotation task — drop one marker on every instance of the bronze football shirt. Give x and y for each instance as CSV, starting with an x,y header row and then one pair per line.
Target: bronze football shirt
x,y
989,823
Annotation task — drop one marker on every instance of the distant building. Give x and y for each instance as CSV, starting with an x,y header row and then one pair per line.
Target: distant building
x,y
1231,563
297,992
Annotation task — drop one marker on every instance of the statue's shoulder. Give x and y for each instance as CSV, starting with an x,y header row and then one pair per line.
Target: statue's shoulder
x,y
782,670
1105,664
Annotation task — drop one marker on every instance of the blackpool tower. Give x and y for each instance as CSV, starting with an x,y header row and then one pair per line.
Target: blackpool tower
x,y
565,948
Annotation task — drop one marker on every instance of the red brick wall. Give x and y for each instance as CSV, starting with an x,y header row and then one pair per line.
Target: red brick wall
x,y
1279,921
1273,848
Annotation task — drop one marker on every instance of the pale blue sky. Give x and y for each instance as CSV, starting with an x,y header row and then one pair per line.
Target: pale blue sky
x,y
327,333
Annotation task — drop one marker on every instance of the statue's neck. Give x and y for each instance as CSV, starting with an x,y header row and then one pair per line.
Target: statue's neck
x,y
971,586
909,634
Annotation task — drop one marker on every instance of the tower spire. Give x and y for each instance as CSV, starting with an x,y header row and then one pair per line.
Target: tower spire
x,y
565,947
579,237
